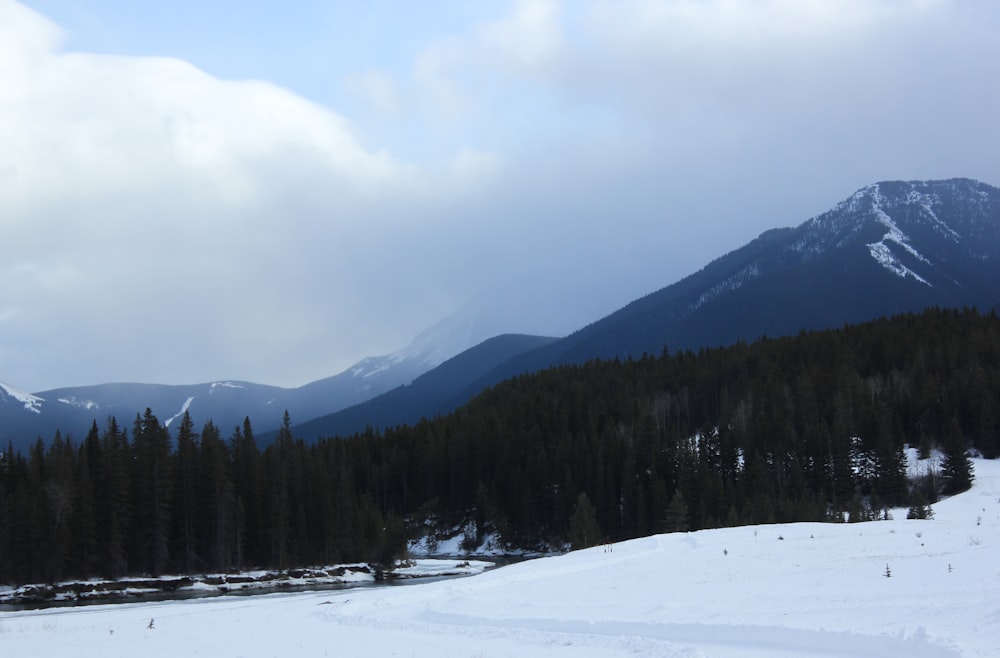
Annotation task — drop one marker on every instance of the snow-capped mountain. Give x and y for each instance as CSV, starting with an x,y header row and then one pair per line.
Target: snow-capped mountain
x,y
25,417
431,393
890,247
923,228
377,374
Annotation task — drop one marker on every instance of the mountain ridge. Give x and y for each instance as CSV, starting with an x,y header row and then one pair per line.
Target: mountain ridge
x,y
852,263
73,410
890,247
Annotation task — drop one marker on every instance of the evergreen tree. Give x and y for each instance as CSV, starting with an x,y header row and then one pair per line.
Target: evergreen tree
x,y
152,490
956,467
83,560
114,500
6,482
919,509
584,528
216,504
676,518
251,537
58,482
277,458
186,502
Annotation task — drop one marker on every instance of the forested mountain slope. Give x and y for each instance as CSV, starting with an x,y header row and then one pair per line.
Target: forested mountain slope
x,y
889,248
805,428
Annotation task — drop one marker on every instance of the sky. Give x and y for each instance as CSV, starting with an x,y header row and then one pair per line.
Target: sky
x,y
264,191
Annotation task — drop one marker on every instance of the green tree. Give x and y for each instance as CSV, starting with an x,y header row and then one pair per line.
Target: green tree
x,y
216,505
583,526
114,500
956,467
152,491
185,507
248,489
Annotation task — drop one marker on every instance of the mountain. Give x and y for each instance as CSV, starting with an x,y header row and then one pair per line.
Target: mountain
x,y
26,417
890,247
432,392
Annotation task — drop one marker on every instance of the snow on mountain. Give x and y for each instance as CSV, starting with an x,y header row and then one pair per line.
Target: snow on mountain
x,y
81,404
215,385
884,256
184,407
31,403
432,347
926,202
894,588
892,209
731,283
880,251
918,221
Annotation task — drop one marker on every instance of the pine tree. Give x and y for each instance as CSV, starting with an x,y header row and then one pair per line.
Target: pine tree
x,y
956,467
676,518
185,495
216,507
919,509
6,484
115,506
250,539
277,458
152,487
584,529
84,522
58,479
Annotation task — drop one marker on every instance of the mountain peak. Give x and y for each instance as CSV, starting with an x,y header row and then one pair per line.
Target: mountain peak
x,y
909,227
435,345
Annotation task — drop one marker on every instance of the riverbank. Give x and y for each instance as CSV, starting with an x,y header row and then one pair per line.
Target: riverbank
x,y
190,586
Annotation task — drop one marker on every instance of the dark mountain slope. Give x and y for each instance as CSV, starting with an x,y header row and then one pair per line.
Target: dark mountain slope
x,y
889,248
429,394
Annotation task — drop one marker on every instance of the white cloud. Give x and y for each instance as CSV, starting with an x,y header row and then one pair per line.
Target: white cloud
x,y
530,40
159,223
470,163
192,221
378,90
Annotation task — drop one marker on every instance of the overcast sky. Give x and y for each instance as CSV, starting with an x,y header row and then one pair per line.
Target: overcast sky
x,y
270,191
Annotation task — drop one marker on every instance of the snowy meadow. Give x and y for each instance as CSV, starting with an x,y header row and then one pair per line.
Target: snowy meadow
x,y
914,588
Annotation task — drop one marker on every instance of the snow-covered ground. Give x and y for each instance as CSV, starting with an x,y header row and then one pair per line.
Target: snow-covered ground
x,y
889,588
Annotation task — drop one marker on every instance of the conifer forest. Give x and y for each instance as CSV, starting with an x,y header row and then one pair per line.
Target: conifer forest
x,y
805,428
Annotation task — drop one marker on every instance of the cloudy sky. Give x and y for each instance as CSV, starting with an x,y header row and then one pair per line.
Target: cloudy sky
x,y
269,191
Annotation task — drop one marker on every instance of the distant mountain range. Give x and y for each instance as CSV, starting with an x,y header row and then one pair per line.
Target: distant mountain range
x,y
890,247
26,417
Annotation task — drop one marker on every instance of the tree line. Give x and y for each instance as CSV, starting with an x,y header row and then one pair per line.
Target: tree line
x,y
805,428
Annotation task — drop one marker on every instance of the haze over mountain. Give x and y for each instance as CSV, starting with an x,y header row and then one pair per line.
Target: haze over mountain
x,y
25,417
193,192
890,247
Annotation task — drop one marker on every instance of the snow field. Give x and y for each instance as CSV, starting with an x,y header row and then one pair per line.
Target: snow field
x,y
803,590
